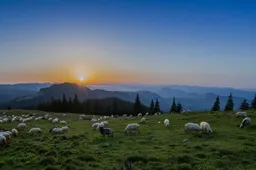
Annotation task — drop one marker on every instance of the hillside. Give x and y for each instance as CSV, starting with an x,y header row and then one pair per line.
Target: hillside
x,y
155,147
195,99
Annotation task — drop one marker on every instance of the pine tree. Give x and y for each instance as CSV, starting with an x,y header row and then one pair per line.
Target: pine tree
x,y
137,105
253,104
244,105
151,108
115,107
179,108
230,104
157,106
64,103
216,105
174,106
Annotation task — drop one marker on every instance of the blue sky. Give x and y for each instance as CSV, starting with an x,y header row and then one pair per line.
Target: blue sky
x,y
209,43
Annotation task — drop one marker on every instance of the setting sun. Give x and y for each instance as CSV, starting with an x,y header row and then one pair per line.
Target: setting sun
x,y
81,79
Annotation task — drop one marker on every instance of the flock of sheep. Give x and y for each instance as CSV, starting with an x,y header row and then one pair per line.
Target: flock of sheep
x,y
5,135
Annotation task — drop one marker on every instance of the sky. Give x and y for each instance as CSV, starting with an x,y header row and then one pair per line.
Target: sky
x,y
199,42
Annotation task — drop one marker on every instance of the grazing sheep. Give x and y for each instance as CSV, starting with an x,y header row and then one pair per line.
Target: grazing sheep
x,y
56,130
147,114
14,132
132,127
35,131
63,122
140,114
205,127
106,131
94,120
64,114
3,140
95,125
56,120
190,127
246,121
100,125
105,123
241,114
6,135
166,122
143,120
21,126
65,129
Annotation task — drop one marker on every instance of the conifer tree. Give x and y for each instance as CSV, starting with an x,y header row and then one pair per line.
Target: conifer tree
x,y
174,106
115,107
230,104
179,108
216,105
157,106
64,103
244,105
137,105
253,104
151,108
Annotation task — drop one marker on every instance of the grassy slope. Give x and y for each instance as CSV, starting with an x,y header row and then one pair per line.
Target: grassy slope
x,y
156,147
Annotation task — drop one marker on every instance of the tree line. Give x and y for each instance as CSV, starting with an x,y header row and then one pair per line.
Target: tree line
x,y
230,104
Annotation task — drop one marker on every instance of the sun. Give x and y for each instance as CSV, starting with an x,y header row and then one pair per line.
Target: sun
x,y
81,79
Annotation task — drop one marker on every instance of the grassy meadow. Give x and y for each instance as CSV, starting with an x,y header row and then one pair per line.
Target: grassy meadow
x,y
156,147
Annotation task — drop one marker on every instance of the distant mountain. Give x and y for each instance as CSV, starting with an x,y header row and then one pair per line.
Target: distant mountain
x,y
57,90
165,96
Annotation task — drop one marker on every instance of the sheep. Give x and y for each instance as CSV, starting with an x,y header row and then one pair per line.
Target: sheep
x,y
140,114
95,125
100,125
3,140
21,126
63,122
205,127
147,114
56,120
143,120
246,121
35,131
6,135
132,126
65,129
105,123
106,131
64,114
94,120
56,130
189,127
166,122
14,132
241,114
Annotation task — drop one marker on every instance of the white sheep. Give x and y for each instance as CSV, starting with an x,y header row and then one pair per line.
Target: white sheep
x,y
3,140
56,120
132,127
166,122
100,125
246,121
190,127
56,130
140,114
65,129
6,135
94,120
63,122
105,123
143,120
147,114
21,126
35,131
95,125
14,132
205,127
241,114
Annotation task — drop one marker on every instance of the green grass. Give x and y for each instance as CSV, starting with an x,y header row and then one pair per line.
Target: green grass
x,y
156,147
